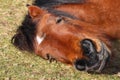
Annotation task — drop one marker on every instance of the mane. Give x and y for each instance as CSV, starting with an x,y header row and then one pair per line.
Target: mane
x,y
51,3
24,37
61,13
25,34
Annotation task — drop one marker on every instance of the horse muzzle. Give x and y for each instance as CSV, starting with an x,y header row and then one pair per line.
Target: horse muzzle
x,y
95,61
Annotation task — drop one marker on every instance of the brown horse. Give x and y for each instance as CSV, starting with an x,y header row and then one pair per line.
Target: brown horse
x,y
78,34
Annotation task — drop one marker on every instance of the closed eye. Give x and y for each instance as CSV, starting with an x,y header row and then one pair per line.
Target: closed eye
x,y
59,20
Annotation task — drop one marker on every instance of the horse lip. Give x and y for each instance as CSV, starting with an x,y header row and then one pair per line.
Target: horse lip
x,y
103,57
92,68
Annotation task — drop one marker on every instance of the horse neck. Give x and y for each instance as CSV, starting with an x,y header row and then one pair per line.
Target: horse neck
x,y
85,12
104,13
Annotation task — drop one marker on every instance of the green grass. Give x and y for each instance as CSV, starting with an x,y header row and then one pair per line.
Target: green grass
x,y
16,65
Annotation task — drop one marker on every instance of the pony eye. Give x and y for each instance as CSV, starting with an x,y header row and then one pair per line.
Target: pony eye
x,y
59,20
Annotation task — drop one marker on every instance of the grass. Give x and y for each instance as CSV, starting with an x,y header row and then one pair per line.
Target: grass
x,y
16,65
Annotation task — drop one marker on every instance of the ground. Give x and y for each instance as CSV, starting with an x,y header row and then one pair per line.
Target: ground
x,y
16,65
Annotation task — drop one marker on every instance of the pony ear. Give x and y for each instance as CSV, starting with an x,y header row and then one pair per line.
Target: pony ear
x,y
35,11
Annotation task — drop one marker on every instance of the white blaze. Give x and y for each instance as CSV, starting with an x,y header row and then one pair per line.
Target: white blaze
x,y
40,39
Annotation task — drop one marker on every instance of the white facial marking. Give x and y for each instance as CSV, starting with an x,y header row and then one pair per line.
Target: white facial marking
x,y
40,39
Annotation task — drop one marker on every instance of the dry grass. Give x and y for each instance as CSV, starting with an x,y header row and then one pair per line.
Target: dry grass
x,y
16,65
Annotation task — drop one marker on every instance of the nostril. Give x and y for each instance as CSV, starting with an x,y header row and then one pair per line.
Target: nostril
x,y
88,47
80,65
50,58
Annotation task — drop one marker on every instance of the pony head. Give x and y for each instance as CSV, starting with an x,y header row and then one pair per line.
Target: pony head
x,y
54,34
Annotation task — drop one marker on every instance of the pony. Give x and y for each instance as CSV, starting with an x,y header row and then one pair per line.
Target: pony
x,y
77,33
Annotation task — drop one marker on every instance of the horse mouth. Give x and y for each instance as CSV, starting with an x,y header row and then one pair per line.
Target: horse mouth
x,y
96,67
96,61
104,57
